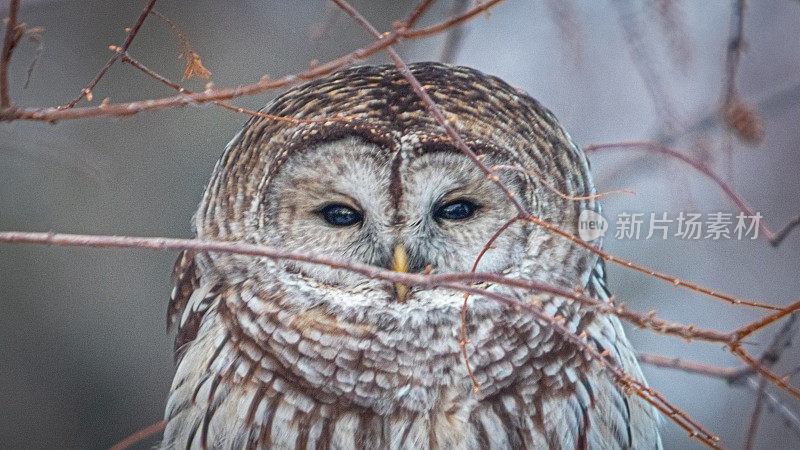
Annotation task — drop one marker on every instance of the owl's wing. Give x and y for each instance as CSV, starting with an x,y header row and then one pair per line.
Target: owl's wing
x,y
635,424
189,301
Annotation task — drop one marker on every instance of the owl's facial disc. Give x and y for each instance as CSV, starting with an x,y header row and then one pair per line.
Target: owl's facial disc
x,y
353,200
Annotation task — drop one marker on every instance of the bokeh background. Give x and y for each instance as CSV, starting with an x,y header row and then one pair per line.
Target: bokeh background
x,y
84,357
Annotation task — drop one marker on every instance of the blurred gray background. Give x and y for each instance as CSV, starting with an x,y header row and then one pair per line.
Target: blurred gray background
x,y
84,357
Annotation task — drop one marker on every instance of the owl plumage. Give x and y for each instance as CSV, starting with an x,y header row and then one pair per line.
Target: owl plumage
x,y
280,354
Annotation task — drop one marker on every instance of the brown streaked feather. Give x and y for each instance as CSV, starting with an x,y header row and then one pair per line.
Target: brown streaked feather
x,y
184,282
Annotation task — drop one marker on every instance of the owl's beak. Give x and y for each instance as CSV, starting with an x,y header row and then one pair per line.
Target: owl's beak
x,y
400,264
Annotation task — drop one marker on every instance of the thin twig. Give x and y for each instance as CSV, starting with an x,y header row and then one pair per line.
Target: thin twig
x,y
685,365
770,357
643,63
774,102
740,377
415,15
124,47
127,59
35,35
454,37
56,114
734,52
466,16
11,39
694,429
776,379
755,416
464,307
144,433
446,281
575,198
643,320
777,406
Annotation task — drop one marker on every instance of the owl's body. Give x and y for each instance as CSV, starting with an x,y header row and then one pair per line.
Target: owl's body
x,y
294,355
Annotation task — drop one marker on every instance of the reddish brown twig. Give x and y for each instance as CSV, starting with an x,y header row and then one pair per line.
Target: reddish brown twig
x,y
644,320
13,35
437,113
742,377
412,19
535,174
447,281
140,435
713,294
776,379
701,368
693,428
464,307
762,323
466,16
124,47
770,236
430,105
56,114
127,59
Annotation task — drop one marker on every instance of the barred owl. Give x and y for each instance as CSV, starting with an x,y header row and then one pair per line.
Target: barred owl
x,y
278,354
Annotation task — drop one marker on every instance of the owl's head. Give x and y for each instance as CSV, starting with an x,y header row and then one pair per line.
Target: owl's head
x,y
365,174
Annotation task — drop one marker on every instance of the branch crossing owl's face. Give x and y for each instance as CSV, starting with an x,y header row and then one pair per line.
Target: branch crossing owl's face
x,y
360,202
373,179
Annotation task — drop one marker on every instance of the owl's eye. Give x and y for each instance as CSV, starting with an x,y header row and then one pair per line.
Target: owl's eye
x,y
456,210
340,215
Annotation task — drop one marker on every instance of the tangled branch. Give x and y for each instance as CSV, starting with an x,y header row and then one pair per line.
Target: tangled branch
x,y
460,282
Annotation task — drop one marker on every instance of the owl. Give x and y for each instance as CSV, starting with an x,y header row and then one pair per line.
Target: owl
x,y
286,354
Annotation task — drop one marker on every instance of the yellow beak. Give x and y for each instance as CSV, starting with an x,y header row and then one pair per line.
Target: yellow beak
x,y
400,264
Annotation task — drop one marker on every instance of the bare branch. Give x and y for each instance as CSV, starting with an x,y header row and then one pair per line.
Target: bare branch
x,y
741,377
86,92
67,112
726,373
144,433
35,35
643,320
454,37
416,14
642,61
447,281
126,58
14,32
777,406
739,115
734,51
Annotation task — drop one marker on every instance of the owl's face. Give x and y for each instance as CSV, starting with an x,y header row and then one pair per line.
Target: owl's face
x,y
353,200
386,187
